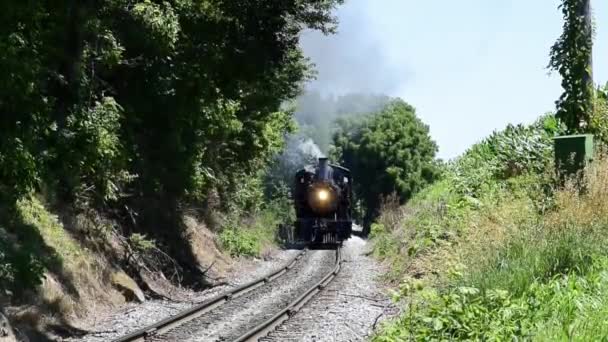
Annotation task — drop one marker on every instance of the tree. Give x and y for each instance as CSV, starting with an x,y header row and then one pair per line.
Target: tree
x,y
184,94
148,106
388,152
571,56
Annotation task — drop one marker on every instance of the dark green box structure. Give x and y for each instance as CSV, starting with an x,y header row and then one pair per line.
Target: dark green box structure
x,y
572,153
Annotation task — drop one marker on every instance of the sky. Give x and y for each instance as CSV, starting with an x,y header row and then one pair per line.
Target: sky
x,y
469,67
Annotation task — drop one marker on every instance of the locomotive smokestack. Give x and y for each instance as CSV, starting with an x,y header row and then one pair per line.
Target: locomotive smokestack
x,y
324,169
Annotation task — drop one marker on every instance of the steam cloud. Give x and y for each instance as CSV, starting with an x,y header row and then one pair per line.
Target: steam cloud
x,y
307,147
355,59
352,71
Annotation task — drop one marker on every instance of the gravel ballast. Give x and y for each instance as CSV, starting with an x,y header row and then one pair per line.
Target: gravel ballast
x,y
348,309
237,316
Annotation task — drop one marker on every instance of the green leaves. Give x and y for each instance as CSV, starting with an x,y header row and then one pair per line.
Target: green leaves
x,y
569,307
389,151
571,56
185,94
160,22
514,151
96,153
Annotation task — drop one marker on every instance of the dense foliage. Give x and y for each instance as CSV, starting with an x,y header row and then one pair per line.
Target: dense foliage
x,y
571,57
509,162
502,268
388,152
140,107
514,151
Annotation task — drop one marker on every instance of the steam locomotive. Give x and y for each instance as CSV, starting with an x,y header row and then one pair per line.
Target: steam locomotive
x,y
323,200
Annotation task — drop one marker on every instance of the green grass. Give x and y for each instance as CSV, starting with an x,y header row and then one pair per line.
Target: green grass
x,y
530,266
570,307
434,217
54,235
32,242
538,255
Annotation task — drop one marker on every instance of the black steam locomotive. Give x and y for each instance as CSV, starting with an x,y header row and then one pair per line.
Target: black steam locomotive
x,y
323,202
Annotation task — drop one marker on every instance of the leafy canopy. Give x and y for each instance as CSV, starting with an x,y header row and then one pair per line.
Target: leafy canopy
x,y
388,151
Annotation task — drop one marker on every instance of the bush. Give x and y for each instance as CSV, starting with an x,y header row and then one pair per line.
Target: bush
x,y
240,242
514,151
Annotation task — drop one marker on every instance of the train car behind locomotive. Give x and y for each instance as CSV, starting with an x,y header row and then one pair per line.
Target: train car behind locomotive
x,y
323,203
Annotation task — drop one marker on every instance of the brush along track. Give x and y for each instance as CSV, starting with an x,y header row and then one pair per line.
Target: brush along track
x,y
208,305
249,315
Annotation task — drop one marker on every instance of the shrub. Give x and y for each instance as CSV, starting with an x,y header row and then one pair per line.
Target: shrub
x,y
240,242
514,151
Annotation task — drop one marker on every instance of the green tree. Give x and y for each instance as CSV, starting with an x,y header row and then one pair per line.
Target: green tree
x,y
571,56
148,105
184,94
388,152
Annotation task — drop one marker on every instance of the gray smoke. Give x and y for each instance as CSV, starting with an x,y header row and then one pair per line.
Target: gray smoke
x,y
355,59
309,149
299,152
316,114
352,73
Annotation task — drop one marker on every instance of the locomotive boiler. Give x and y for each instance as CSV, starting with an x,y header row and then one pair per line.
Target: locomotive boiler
x,y
323,203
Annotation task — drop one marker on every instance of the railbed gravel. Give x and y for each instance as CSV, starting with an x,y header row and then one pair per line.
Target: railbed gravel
x,y
234,318
348,309
134,316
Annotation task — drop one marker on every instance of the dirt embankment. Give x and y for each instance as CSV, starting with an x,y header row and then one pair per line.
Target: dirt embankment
x,y
92,270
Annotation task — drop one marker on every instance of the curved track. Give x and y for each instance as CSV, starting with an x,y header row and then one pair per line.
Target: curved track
x,y
208,305
252,310
267,326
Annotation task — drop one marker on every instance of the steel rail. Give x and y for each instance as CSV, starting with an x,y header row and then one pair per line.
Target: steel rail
x,y
171,322
261,330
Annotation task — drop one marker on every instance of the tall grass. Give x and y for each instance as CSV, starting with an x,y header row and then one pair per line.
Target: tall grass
x,y
526,273
564,240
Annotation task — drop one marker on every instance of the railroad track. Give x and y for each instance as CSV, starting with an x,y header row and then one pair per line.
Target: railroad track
x,y
267,326
189,324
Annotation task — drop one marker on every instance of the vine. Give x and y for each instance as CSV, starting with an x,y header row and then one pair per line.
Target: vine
x,y
571,56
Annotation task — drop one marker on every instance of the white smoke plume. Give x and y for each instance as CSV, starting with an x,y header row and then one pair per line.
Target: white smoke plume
x,y
308,148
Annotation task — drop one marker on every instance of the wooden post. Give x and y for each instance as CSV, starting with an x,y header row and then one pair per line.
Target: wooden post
x,y
586,13
584,10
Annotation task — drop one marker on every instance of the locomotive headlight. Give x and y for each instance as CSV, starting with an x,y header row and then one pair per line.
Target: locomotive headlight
x,y
322,198
323,195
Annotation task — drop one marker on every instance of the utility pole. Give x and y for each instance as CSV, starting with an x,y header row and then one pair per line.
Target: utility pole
x,y
586,13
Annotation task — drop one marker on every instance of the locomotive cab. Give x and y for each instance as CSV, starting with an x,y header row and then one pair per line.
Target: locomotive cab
x,y
323,203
